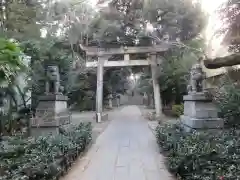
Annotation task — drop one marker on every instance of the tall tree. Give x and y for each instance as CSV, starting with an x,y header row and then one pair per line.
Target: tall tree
x,y
19,18
126,21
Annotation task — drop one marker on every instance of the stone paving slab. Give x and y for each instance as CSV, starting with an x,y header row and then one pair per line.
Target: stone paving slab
x,y
126,150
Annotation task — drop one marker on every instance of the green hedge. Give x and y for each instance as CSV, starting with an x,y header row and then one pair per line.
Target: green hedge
x,y
178,110
44,158
227,100
200,156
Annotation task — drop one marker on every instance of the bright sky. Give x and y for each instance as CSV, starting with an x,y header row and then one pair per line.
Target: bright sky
x,y
93,2
214,47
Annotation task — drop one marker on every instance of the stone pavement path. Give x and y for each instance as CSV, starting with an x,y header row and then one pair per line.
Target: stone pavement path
x,y
126,150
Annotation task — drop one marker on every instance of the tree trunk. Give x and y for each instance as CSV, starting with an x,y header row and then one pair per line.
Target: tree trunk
x,y
10,116
27,116
219,62
2,7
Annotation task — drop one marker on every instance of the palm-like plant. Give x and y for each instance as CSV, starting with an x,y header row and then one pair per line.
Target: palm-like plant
x,y
10,61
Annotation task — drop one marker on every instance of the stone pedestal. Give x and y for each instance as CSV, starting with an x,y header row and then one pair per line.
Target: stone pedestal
x,y
200,113
51,113
101,117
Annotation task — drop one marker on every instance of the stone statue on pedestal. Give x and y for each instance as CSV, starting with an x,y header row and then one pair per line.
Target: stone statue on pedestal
x,y
53,80
52,111
199,110
197,78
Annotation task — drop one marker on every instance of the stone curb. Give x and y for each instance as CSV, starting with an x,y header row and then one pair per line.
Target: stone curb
x,y
151,127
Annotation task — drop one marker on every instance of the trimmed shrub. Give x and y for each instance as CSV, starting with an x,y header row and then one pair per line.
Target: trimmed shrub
x,y
46,157
227,99
177,110
200,156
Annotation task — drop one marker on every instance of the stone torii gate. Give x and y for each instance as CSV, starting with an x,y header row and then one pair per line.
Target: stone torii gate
x,y
104,54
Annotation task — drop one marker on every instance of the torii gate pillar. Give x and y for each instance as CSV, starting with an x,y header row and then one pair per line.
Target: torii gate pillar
x,y
99,92
156,87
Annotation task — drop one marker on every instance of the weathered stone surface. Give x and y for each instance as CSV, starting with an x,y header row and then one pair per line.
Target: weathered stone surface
x,y
43,131
207,123
197,78
53,97
197,97
101,117
51,112
200,113
52,109
198,109
53,80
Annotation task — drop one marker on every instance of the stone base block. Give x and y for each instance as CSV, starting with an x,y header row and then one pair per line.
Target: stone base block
x,y
53,97
101,117
199,96
43,131
199,106
190,123
51,121
51,111
200,110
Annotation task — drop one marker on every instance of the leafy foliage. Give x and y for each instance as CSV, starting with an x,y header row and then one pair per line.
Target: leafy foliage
x,y
125,22
200,155
10,60
116,80
229,14
173,74
46,157
19,19
175,68
178,109
227,99
11,65
83,92
145,83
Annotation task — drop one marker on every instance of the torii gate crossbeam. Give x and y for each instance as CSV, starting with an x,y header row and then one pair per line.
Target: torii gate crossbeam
x,y
103,56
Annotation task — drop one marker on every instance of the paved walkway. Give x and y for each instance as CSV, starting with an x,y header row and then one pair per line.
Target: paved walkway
x,y
126,150
89,116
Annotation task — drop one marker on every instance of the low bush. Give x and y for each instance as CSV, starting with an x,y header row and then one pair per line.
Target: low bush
x,y
200,155
177,110
227,99
43,158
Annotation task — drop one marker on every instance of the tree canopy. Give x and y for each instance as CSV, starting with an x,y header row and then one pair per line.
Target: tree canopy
x,y
127,22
